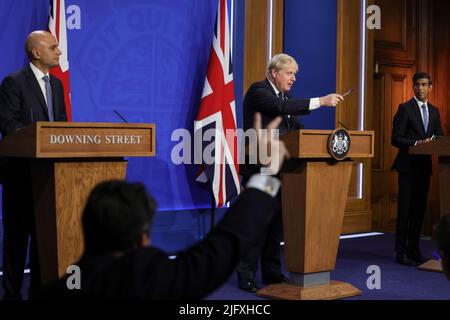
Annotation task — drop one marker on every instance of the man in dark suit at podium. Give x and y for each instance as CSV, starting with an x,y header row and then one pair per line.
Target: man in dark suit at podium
x,y
271,97
416,121
26,96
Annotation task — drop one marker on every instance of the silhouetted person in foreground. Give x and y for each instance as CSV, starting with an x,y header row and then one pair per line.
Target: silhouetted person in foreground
x,y
118,263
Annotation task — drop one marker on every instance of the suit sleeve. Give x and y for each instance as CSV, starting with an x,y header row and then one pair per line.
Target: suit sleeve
x,y
264,101
62,105
10,106
438,131
399,127
199,270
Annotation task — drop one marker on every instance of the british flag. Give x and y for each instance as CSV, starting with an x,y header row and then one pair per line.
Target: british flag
x,y
217,112
57,27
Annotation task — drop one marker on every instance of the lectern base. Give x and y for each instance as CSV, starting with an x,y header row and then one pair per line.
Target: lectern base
x,y
431,265
333,290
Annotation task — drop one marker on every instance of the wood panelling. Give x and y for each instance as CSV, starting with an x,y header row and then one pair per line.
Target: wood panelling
x,y
393,86
414,37
358,214
347,76
439,67
396,42
256,51
392,33
395,54
256,41
348,62
357,221
278,27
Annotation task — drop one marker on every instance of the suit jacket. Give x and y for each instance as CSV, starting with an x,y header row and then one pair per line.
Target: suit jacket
x,y
261,97
407,129
22,101
148,273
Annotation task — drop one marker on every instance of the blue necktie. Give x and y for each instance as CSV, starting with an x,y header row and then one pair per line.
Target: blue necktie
x,y
48,93
425,116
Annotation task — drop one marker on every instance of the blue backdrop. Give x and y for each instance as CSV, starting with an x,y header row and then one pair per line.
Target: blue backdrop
x,y
310,32
147,59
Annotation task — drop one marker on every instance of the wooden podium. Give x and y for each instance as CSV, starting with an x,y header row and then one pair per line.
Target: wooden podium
x,y
441,148
67,160
314,194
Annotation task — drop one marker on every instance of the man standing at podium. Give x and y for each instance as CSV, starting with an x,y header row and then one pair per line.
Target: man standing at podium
x,y
26,96
416,121
271,97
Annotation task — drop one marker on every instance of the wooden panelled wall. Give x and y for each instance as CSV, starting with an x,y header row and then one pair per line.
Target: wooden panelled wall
x,y
414,36
358,215
257,33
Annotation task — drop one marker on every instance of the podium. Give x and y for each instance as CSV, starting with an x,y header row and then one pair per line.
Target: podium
x,y
67,160
441,148
314,194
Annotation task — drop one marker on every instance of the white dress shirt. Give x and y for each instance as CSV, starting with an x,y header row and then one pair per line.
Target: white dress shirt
x,y
420,103
39,75
314,103
265,183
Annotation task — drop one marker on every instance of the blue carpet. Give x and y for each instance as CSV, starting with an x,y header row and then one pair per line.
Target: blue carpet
x,y
354,257
398,282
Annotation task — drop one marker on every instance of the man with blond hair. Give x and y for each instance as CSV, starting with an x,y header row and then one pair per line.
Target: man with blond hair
x,y
271,97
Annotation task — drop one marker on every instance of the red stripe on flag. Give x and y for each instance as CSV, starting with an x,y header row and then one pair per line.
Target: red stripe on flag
x,y
62,39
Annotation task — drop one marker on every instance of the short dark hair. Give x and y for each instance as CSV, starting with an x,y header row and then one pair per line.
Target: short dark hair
x,y
116,215
421,75
442,235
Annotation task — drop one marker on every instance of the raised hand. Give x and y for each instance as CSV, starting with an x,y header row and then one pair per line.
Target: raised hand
x,y
269,142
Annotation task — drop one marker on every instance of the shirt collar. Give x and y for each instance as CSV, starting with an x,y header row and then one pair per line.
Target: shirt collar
x,y
38,73
420,103
274,87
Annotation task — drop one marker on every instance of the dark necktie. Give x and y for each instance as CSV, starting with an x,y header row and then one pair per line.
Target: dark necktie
x,y
287,119
48,93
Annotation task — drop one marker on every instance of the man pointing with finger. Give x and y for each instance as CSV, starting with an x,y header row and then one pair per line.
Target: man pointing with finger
x,y
271,97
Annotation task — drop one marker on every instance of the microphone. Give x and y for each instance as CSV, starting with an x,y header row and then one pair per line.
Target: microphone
x,y
120,116
347,93
31,113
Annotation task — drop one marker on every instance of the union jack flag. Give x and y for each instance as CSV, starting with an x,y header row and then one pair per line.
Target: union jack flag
x,y
218,112
57,27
